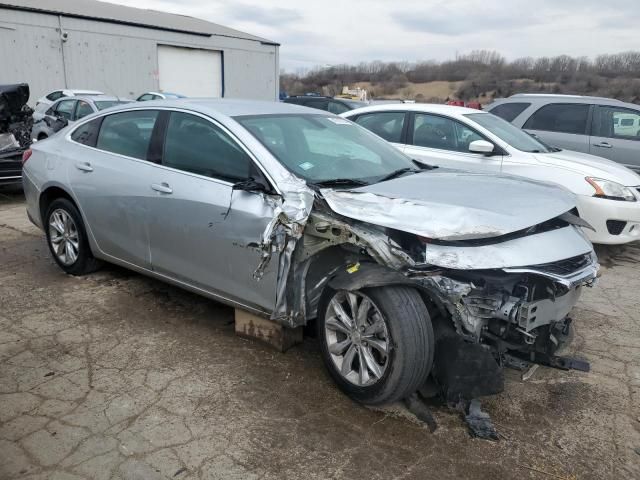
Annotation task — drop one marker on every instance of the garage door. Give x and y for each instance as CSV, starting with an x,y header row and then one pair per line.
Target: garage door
x,y
190,71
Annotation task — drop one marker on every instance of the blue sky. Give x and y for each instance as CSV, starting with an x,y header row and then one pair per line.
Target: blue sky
x,y
330,32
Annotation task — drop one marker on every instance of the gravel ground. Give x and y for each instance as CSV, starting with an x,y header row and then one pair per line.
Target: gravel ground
x,y
117,376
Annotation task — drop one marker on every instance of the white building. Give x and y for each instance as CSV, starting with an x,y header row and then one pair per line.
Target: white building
x,y
124,51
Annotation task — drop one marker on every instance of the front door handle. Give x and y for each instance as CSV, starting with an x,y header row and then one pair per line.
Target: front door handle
x,y
603,145
161,187
84,166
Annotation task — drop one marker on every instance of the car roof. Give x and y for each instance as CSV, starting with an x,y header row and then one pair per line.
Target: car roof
x,y
415,107
542,98
82,92
228,107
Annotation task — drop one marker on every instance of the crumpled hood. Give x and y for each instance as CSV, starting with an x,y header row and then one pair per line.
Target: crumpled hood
x,y
590,166
452,205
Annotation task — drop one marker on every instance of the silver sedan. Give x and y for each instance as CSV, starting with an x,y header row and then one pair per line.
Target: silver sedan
x,y
298,215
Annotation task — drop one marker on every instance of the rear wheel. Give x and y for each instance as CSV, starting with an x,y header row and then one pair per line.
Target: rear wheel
x,y
67,238
377,343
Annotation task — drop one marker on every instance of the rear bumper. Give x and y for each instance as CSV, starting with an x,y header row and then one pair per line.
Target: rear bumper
x,y
597,211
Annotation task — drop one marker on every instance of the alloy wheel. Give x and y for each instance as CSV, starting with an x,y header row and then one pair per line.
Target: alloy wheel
x,y
63,237
357,338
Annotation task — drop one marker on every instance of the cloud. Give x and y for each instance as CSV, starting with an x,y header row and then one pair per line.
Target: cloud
x,y
272,16
331,32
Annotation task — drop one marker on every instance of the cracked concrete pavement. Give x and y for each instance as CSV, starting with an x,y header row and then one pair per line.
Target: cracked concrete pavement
x,y
117,376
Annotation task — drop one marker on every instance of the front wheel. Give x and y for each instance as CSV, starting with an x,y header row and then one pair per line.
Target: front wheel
x,y
67,238
377,343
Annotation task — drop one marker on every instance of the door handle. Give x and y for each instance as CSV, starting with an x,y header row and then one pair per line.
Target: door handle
x,y
603,145
84,166
161,187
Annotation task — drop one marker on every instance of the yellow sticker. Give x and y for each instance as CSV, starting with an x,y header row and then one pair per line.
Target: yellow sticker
x,y
353,268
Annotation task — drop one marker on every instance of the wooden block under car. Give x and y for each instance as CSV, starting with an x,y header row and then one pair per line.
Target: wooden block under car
x,y
278,336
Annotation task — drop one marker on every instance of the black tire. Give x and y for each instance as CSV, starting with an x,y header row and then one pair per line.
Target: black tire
x,y
42,136
85,262
411,345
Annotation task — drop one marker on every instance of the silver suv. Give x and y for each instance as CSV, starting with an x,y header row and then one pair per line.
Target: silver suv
x,y
600,126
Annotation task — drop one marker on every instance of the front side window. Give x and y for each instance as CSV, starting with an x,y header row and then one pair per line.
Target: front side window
x,y
387,125
83,109
562,118
615,122
127,133
194,144
511,135
64,109
322,148
87,133
509,111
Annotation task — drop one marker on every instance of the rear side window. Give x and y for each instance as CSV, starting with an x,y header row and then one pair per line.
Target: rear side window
x,y
83,109
53,96
146,96
65,108
562,118
127,133
615,122
87,134
387,125
194,144
509,111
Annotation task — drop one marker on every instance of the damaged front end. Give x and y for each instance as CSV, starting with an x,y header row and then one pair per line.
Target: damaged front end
x,y
499,295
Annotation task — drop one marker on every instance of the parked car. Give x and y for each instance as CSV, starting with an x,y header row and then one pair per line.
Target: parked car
x,y
158,96
608,194
15,128
329,104
600,126
45,101
295,214
67,111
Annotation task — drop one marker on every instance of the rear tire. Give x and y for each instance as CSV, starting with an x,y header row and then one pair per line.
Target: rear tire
x,y
407,334
67,238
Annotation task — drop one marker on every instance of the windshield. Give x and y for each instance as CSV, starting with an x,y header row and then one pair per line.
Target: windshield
x,y
510,134
321,148
101,105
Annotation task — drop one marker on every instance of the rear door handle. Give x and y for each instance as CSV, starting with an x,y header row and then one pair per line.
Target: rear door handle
x,y
161,187
84,166
603,145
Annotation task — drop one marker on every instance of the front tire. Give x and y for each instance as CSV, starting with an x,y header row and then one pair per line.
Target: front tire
x,y
377,343
67,238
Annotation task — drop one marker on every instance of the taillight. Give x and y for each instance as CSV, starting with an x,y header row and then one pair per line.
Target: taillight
x,y
26,155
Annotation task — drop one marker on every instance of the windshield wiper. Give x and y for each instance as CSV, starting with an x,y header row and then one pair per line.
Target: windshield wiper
x,y
397,173
341,182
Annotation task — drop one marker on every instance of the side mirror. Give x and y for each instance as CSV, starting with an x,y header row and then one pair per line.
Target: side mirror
x,y
481,146
251,185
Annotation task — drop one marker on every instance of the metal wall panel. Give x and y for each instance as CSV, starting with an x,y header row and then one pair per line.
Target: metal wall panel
x,y
119,59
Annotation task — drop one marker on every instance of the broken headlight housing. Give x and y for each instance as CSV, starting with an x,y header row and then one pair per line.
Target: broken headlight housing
x,y
610,190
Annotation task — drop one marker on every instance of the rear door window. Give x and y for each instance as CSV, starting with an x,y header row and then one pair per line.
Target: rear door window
x,y
127,133
433,131
194,144
387,125
509,111
615,122
561,118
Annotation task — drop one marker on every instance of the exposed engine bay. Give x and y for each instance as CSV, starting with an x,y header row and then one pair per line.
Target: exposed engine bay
x,y
16,118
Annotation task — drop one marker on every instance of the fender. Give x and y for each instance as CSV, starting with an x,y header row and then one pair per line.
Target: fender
x,y
362,275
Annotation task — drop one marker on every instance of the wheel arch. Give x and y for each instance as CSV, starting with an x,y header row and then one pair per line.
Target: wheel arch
x,y
48,195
